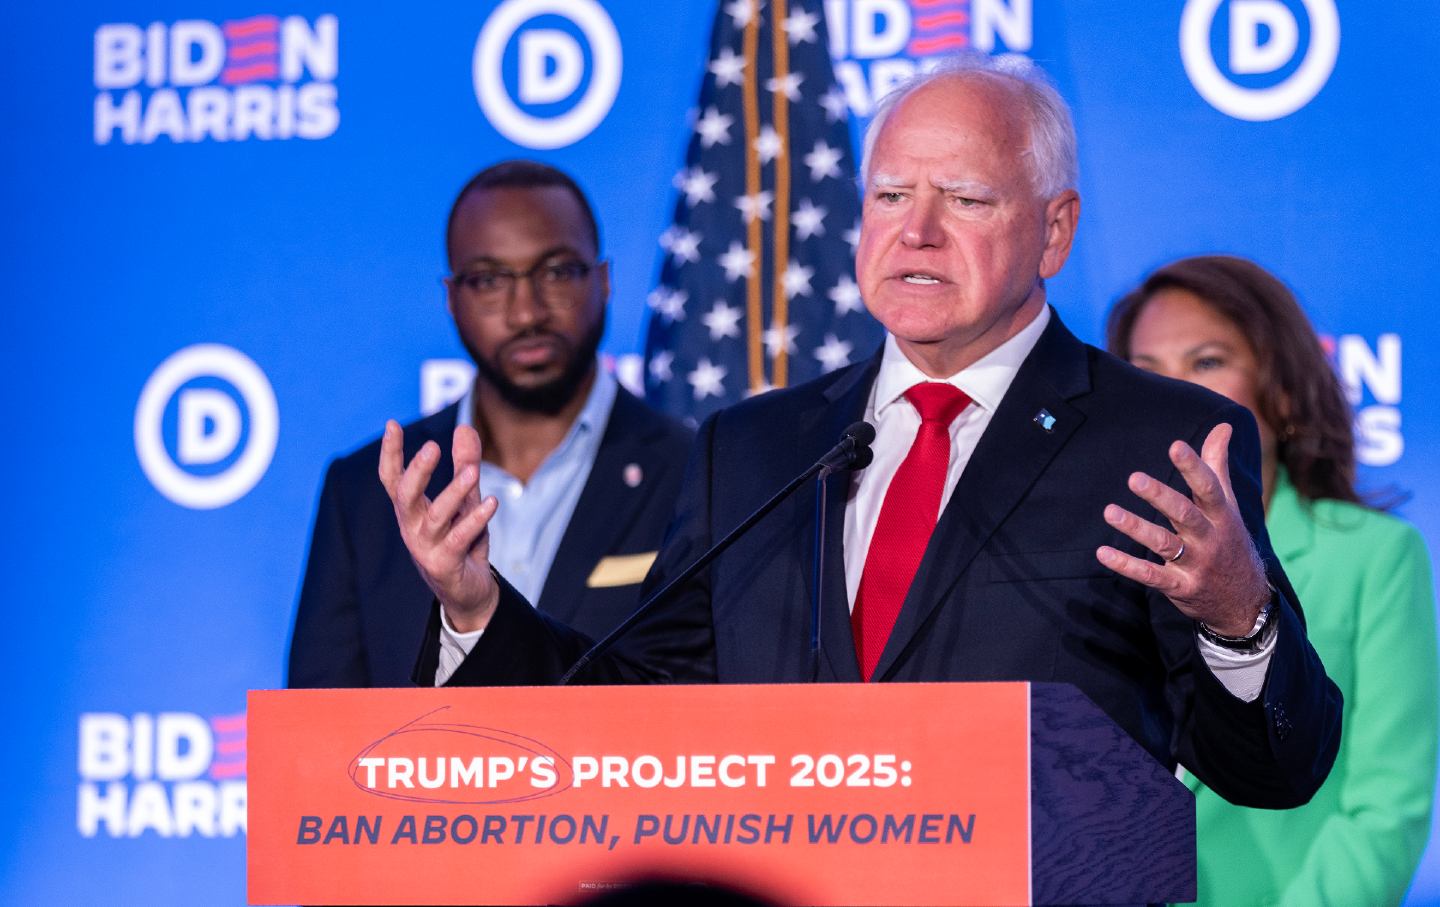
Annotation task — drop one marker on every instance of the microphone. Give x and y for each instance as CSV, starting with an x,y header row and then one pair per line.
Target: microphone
x,y
851,452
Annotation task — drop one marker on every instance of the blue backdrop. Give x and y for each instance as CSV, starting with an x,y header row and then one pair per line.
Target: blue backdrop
x,y
223,244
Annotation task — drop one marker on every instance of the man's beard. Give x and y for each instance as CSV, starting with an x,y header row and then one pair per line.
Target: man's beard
x,y
552,396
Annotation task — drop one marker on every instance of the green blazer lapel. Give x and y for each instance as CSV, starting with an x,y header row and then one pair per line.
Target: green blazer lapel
x,y
1287,520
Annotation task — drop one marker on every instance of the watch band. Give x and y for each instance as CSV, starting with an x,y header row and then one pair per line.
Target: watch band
x,y
1241,643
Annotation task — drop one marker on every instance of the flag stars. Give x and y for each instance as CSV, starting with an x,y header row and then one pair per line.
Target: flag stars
x,y
714,128
706,253
728,68
809,220
740,12
800,27
823,161
788,85
846,296
768,145
833,353
698,185
668,303
685,246
757,205
737,261
708,379
779,338
836,107
723,321
796,279
661,366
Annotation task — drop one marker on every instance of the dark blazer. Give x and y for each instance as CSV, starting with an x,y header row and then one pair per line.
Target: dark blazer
x,y
364,610
1009,588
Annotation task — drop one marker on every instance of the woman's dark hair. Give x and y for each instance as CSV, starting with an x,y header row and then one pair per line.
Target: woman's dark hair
x,y
1299,396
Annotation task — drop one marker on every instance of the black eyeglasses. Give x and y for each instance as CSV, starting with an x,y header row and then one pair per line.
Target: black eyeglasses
x,y
558,284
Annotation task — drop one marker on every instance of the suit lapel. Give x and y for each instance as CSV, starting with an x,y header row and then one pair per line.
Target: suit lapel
x,y
846,400
1012,454
607,509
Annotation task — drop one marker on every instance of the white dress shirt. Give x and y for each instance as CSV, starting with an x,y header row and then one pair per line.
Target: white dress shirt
x,y
985,383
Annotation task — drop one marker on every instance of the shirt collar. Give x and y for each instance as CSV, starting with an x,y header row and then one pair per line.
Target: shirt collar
x,y
984,381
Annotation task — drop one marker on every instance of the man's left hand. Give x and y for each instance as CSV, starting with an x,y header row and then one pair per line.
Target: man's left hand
x,y
1211,570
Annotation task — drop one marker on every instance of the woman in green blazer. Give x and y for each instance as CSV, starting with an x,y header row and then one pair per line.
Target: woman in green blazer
x,y
1362,576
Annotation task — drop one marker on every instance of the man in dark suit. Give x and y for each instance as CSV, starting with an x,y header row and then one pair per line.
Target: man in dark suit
x,y
981,543
590,473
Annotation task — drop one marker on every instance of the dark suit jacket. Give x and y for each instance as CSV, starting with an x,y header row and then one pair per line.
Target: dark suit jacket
x,y
1009,588
364,610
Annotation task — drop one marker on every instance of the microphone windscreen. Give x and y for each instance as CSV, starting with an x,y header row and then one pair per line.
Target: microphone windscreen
x,y
862,432
860,457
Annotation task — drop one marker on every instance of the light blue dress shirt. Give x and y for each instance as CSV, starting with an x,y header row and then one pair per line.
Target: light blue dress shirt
x,y
526,530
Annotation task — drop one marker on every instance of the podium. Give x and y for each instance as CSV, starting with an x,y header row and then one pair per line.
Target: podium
x,y
946,793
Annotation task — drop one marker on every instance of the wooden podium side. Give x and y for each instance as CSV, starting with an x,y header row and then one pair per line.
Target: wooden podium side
x,y
816,794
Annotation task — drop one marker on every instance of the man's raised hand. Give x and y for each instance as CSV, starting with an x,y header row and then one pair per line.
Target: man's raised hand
x,y
448,537
1210,571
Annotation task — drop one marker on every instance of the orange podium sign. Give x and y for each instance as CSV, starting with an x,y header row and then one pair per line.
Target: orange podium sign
x,y
816,794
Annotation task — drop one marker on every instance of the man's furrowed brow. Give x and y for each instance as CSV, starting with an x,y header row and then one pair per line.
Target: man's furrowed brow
x,y
963,186
888,180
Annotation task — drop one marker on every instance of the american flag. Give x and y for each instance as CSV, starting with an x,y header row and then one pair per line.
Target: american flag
x,y
757,286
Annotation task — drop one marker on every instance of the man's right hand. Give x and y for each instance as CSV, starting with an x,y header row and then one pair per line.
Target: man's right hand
x,y
447,537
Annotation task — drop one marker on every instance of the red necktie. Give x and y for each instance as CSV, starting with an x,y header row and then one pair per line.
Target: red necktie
x,y
907,518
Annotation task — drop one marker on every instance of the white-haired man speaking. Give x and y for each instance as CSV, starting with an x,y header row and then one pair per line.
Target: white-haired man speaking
x,y
1036,509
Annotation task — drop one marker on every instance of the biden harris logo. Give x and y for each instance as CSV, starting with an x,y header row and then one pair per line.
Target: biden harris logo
x,y
1371,375
266,77
876,45
173,774
1257,60
206,426
546,72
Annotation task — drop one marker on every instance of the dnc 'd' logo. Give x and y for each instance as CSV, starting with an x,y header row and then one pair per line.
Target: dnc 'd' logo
x,y
264,77
546,72
1256,59
877,44
206,426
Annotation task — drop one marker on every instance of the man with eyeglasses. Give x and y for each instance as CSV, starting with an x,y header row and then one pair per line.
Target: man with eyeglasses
x,y
588,473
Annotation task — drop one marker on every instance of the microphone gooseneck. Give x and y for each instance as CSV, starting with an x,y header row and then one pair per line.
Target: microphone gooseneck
x,y
852,452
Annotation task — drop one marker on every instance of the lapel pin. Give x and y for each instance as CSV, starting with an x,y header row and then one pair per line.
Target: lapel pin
x,y
1045,420
633,475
